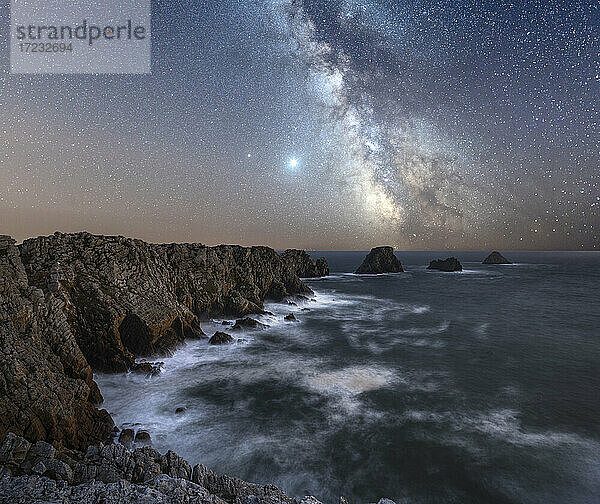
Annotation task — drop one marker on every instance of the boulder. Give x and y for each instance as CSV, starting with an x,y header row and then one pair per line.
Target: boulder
x,y
290,317
380,260
180,410
126,437
220,338
496,258
143,437
449,264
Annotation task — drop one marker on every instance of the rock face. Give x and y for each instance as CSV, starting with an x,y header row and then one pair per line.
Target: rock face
x,y
449,264
380,260
47,390
125,298
304,266
116,474
496,258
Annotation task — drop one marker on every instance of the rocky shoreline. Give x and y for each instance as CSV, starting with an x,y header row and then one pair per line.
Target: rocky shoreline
x,y
74,303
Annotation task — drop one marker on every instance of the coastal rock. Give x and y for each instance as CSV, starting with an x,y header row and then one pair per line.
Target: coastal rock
x,y
380,260
304,265
290,317
124,298
147,368
47,391
220,338
248,323
116,474
180,410
126,437
496,258
449,264
143,437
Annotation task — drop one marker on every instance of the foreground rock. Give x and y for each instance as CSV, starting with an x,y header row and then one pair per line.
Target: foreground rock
x,y
449,264
380,260
47,391
220,338
125,298
496,258
115,474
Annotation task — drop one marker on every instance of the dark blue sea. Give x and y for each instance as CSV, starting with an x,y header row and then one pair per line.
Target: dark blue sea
x,y
423,387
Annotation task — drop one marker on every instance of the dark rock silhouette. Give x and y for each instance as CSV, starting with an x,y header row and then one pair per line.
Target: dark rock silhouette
x,y
248,323
380,260
290,317
220,338
449,264
496,258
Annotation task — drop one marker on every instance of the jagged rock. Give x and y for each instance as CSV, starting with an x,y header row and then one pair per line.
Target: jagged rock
x,y
226,322
220,338
114,474
449,264
143,437
380,260
125,298
304,266
47,391
290,317
126,437
496,258
248,323
180,410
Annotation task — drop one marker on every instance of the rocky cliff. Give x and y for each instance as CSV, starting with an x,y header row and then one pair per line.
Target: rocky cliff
x,y
125,298
46,385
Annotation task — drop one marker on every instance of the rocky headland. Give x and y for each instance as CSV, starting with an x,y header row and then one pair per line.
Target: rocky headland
x,y
73,303
380,260
496,258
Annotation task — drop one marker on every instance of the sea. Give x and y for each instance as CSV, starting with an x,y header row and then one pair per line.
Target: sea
x,y
422,387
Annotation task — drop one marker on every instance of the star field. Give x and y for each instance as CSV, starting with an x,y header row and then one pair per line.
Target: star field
x,y
324,125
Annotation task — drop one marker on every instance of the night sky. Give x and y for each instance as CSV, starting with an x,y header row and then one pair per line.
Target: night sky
x,y
321,125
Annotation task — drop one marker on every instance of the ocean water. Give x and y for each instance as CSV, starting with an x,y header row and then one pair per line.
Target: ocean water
x,y
473,387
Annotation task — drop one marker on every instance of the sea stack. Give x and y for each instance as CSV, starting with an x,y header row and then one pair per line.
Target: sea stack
x,y
496,258
449,264
380,260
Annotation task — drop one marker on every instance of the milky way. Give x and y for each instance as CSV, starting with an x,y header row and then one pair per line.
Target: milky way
x,y
429,125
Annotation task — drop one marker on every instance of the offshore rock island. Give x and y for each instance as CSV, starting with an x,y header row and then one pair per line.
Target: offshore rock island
x,y
73,303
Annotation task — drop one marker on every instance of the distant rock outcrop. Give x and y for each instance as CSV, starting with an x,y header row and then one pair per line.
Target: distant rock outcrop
x,y
496,258
380,260
449,264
